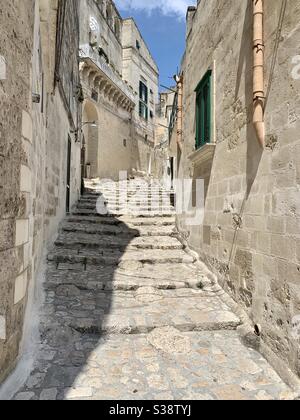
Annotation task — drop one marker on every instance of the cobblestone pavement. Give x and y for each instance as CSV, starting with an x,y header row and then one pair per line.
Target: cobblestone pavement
x,y
129,315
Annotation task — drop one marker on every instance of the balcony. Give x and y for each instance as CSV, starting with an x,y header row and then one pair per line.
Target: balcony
x,y
99,75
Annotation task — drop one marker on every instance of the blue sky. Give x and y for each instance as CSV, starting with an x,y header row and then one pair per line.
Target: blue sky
x,y
162,25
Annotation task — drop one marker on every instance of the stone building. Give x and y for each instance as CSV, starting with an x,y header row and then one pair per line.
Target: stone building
x,y
40,174
141,71
120,86
250,235
163,163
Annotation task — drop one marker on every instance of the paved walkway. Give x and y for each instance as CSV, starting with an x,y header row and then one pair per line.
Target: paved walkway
x,y
129,315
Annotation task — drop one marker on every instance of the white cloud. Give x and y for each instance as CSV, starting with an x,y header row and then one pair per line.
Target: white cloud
x,y
167,7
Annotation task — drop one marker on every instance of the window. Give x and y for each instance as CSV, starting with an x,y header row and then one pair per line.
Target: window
x,y
203,111
138,45
151,115
143,108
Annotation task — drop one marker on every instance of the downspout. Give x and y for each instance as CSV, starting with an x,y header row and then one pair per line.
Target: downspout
x,y
258,71
180,111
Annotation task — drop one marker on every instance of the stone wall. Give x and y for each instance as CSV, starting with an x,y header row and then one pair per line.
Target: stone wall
x,y
33,150
251,231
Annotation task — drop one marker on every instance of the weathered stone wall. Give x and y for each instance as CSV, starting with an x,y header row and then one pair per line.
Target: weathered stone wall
x,y
16,48
33,152
251,230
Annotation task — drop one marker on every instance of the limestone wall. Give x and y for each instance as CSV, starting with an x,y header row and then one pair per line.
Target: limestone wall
x,y
109,145
33,153
251,230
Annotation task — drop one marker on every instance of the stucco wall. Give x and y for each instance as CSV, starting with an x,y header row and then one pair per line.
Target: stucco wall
x,y
251,230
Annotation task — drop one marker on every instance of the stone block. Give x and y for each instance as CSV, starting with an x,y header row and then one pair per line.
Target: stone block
x,y
20,287
254,222
25,179
2,328
26,126
261,241
298,250
22,232
6,234
283,247
276,225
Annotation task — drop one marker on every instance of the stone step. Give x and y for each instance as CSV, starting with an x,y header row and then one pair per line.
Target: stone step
x,y
122,221
114,195
121,231
115,258
129,208
82,212
141,311
165,277
81,240
128,202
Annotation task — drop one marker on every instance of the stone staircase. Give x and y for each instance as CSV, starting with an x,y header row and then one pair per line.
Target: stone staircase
x,y
132,251
125,302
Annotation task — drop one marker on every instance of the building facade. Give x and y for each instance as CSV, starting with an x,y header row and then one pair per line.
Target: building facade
x,y
120,89
250,234
40,173
163,162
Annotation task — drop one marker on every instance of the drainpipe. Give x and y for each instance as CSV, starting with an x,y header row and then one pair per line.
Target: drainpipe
x,y
180,111
258,71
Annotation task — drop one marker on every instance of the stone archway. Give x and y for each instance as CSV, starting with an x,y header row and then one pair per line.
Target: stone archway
x,y
91,136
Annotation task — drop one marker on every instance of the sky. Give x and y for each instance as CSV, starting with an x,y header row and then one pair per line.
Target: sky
x,y
162,24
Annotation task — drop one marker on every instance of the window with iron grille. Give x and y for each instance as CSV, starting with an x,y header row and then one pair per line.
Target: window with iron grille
x,y
203,111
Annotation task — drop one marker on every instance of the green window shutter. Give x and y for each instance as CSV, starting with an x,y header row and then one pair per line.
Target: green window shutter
x,y
203,111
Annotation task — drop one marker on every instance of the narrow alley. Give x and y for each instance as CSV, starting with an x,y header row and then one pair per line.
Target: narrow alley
x,y
149,201
129,314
